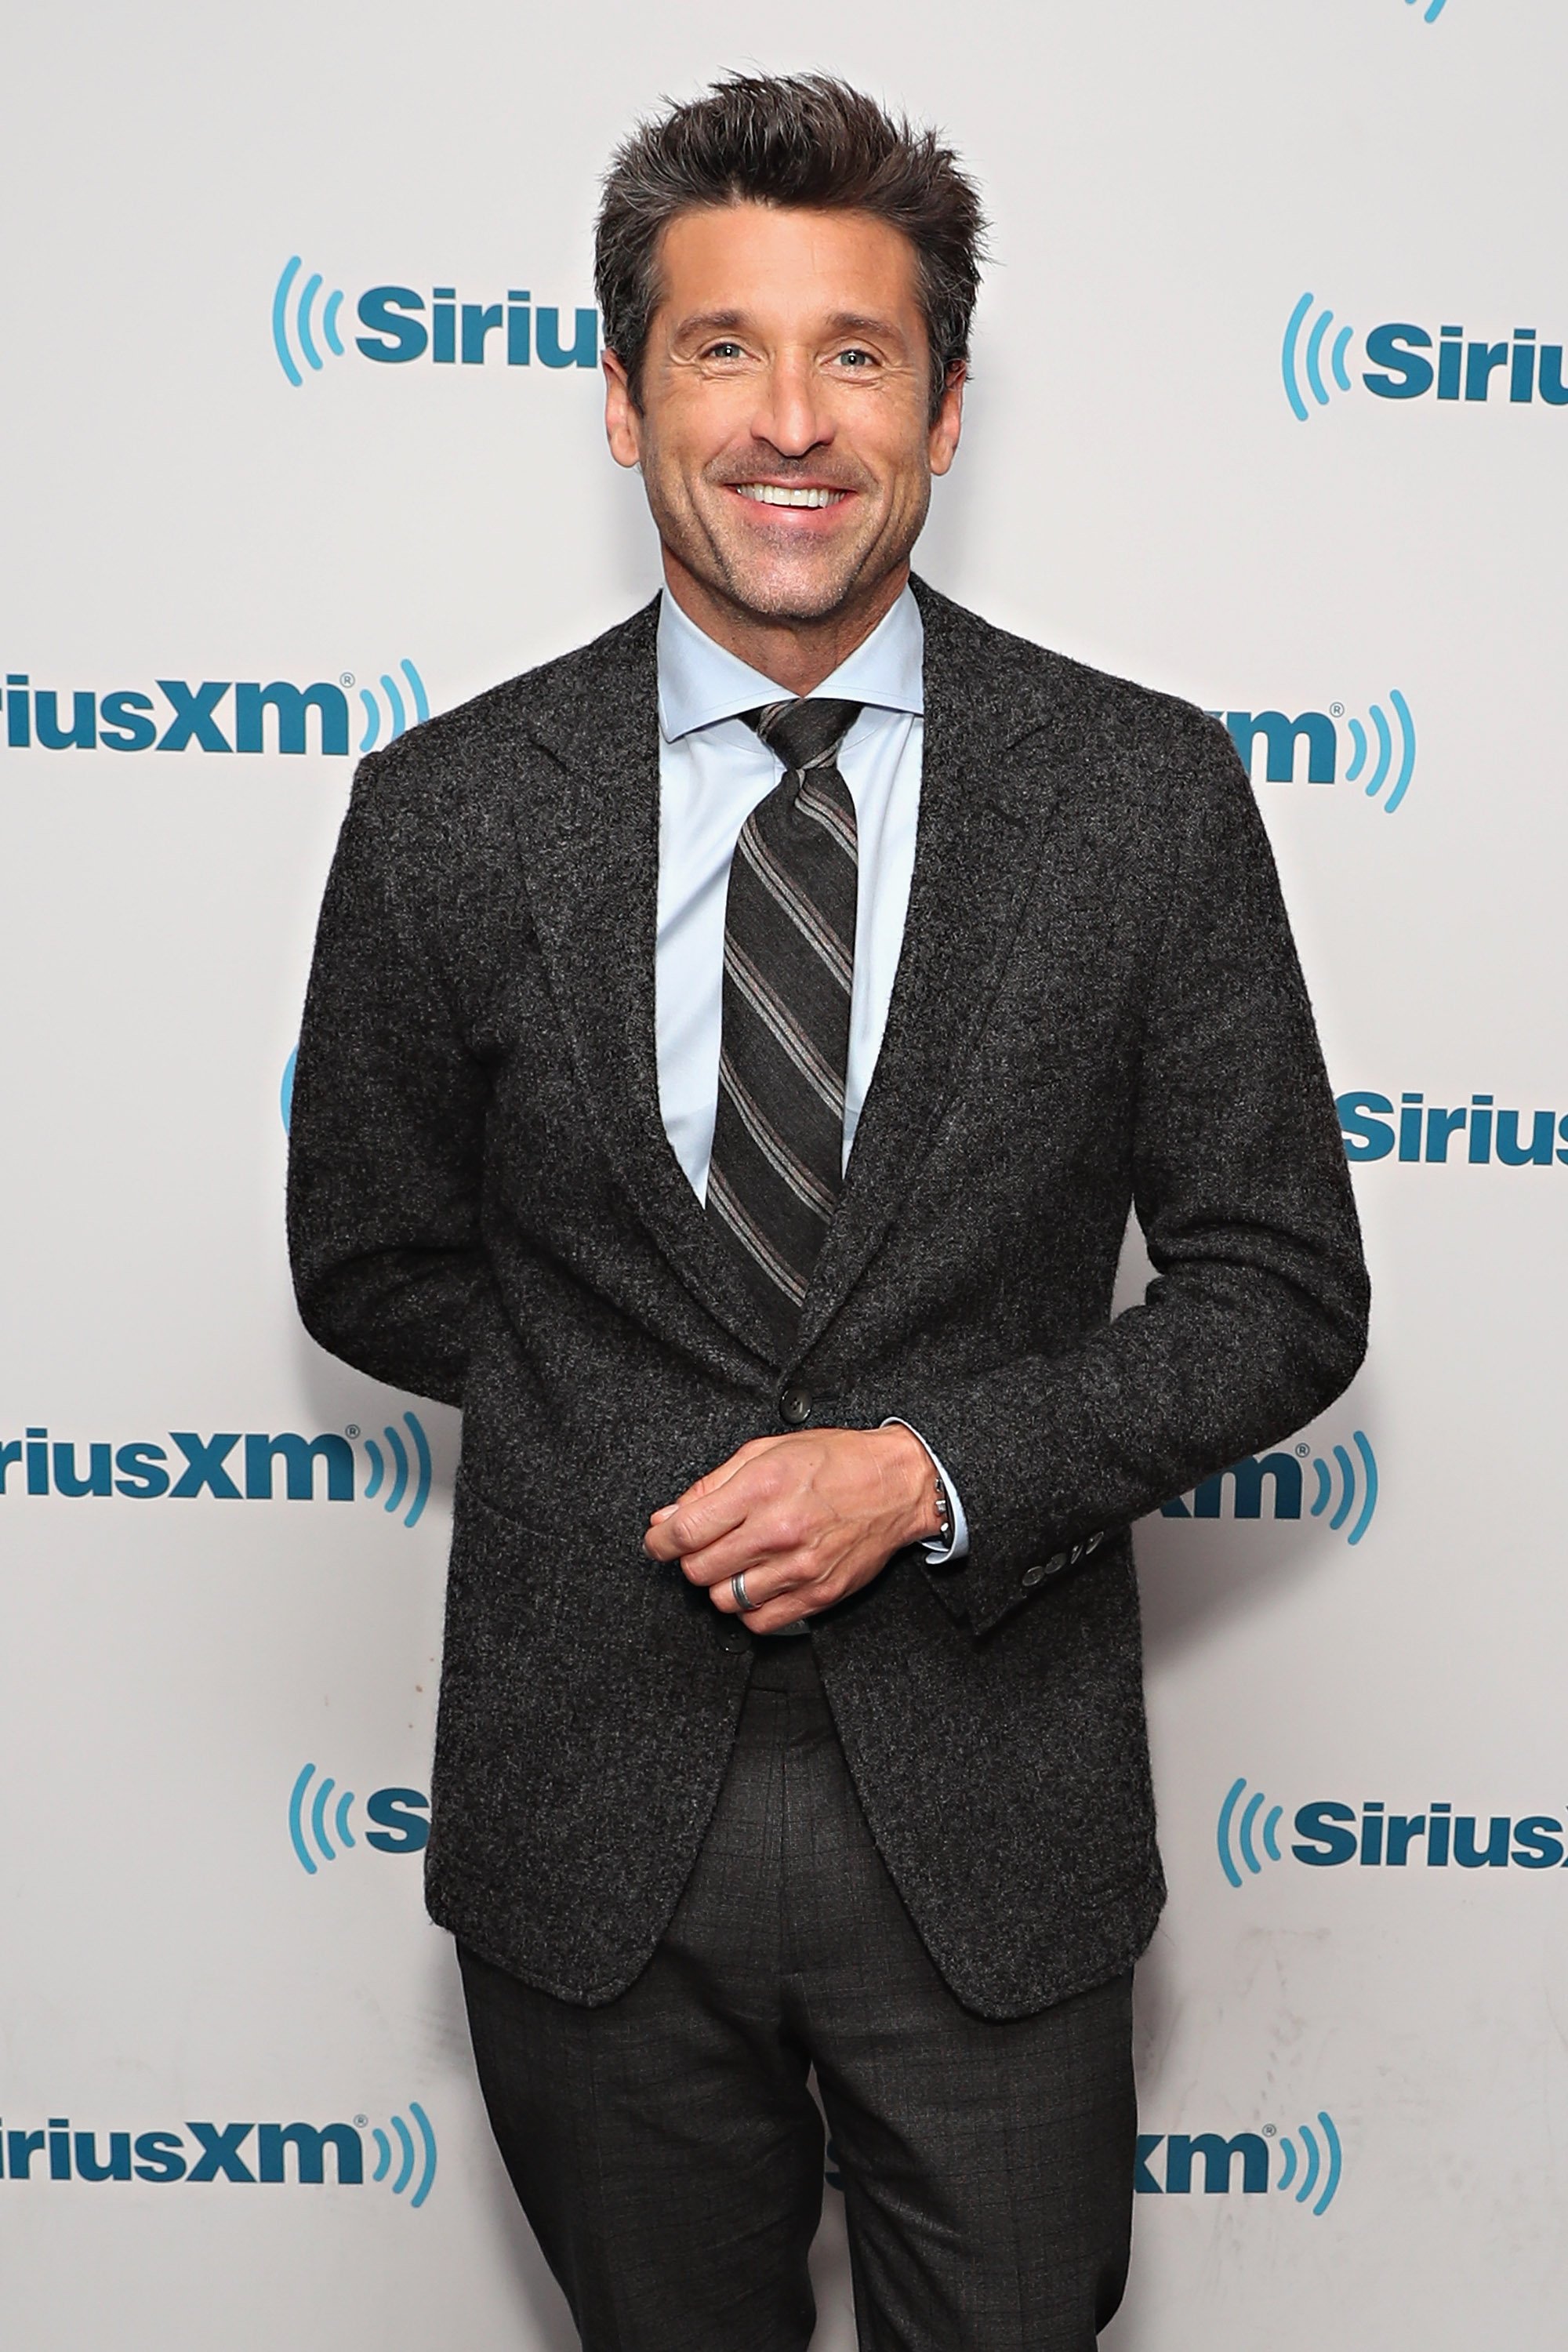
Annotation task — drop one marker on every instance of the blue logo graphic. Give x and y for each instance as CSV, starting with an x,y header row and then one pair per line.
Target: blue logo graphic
x,y
398,1476
396,716
1291,362
457,334
1235,1837
1381,748
1303,2170
398,1815
1344,1488
1433,11
1330,1832
301,304
1422,1131
406,2156
277,717
1463,369
293,2154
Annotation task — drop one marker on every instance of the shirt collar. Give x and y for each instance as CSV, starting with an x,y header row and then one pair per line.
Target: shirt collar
x,y
699,683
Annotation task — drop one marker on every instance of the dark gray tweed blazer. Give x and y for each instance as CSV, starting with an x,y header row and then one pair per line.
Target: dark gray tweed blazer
x,y
1098,1004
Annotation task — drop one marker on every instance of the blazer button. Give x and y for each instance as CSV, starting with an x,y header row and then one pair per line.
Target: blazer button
x,y
1035,1573
795,1406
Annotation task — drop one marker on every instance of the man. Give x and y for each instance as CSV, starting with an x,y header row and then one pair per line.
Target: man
x,y
732,1054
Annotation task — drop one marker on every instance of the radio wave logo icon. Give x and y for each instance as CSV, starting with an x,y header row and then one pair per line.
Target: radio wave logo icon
x,y
389,1475
318,1821
397,2144
1345,1483
315,1821
397,720
294,321
1311,2165
1294,362
1383,760
1341,1487
1235,1837
1433,11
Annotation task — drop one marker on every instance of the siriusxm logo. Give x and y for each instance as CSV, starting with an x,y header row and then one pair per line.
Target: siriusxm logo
x,y
1303,2171
1527,369
1330,1834
144,1472
277,716
1482,1135
398,1815
400,326
1433,9
1344,1488
1274,748
295,2154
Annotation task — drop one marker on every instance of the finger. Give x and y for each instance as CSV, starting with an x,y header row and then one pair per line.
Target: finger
x,y
767,1587
692,1524
788,1606
711,1481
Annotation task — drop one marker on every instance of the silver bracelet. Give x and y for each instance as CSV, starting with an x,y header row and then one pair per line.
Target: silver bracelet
x,y
944,1517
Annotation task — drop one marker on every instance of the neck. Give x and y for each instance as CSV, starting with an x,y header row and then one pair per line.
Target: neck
x,y
797,655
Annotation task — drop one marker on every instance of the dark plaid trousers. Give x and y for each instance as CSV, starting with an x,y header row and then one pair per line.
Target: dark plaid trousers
x,y
667,2152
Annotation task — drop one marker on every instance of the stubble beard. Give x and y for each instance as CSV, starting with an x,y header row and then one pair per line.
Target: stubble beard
x,y
778,590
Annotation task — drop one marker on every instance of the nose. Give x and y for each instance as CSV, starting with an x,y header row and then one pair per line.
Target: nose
x,y
791,414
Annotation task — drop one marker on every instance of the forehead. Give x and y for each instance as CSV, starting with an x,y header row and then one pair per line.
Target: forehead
x,y
771,261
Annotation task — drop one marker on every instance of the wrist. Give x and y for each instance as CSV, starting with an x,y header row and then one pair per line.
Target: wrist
x,y
924,1509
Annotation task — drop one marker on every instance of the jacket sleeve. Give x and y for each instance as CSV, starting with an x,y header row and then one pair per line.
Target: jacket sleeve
x,y
388,1122
1255,1318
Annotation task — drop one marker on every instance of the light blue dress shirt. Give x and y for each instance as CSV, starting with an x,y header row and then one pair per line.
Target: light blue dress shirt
x,y
713,770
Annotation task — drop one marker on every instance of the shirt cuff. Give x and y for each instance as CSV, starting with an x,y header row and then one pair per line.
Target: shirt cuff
x,y
938,1554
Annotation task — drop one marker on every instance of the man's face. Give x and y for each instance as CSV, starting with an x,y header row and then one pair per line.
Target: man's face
x,y
784,432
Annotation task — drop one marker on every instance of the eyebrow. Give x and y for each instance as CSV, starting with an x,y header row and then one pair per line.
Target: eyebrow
x,y
840,322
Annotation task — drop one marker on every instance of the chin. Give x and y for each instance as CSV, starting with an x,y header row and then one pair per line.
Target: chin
x,y
788,595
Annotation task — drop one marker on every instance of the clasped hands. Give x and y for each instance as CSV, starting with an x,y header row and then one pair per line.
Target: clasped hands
x,y
808,1518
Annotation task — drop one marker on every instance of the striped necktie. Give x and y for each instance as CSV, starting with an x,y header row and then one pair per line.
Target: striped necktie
x,y
789,969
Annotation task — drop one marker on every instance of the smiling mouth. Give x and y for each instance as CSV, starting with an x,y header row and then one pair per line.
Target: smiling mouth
x,y
771,494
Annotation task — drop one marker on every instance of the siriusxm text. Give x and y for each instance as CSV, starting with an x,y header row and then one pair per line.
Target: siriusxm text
x,y
401,2157
231,1466
402,327
1331,1834
243,2152
1480,1133
1461,367
275,717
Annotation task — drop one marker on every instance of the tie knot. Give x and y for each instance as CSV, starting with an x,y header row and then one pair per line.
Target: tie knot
x,y
804,734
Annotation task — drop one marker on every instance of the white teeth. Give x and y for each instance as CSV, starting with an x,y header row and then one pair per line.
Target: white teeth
x,y
768,494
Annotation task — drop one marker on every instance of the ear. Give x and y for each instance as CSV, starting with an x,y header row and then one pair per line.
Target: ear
x,y
943,440
622,425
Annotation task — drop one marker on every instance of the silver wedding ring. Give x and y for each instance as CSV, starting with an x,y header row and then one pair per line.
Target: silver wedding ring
x,y
738,1593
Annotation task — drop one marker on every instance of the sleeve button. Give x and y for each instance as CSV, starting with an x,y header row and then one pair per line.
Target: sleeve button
x,y
795,1406
1035,1573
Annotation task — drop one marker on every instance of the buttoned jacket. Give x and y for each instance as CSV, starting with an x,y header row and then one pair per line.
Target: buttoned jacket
x,y
1098,1010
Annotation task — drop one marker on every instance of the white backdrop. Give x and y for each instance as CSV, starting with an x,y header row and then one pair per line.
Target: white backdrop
x,y
1150,481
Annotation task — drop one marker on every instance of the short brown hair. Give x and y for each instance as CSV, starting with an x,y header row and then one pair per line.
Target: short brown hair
x,y
803,140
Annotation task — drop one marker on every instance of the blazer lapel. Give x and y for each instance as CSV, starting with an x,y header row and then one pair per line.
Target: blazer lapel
x,y
589,847
984,815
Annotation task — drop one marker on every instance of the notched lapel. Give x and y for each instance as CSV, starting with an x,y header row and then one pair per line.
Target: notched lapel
x,y
986,800
589,850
